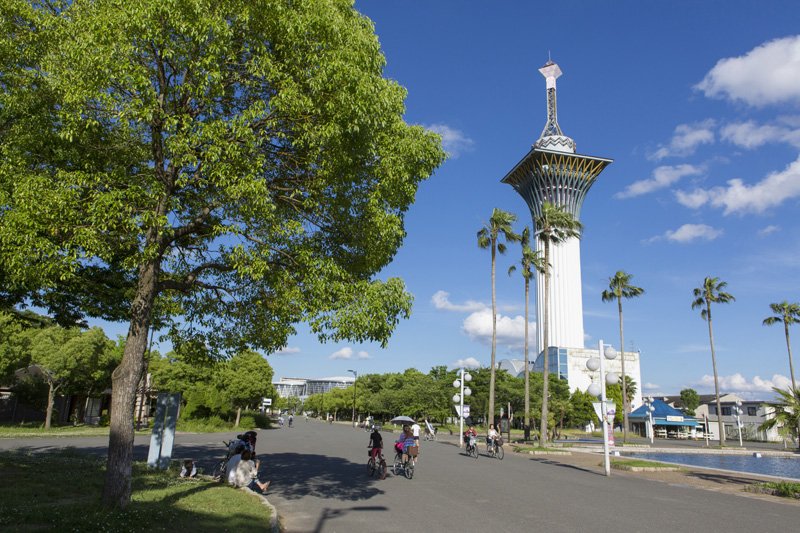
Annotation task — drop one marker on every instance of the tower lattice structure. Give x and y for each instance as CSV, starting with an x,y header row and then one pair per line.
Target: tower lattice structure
x,y
553,172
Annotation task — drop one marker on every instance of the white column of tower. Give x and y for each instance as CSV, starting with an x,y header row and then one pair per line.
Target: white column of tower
x,y
565,322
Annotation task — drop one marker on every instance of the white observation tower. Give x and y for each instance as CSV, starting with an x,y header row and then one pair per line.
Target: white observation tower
x,y
553,172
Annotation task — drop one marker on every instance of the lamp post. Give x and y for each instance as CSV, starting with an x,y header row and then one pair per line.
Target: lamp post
x,y
737,412
648,402
459,399
355,380
595,363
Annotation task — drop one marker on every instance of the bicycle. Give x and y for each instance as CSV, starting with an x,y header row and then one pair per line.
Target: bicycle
x,y
377,468
220,469
471,447
407,466
495,449
430,435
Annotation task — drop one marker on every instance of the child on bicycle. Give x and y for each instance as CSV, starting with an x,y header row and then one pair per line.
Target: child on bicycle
x,y
375,443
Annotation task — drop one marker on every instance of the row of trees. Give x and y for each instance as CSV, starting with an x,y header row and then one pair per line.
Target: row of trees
x,y
554,226
416,394
42,360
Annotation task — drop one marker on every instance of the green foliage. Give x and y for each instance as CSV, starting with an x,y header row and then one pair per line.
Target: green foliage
x,y
786,489
786,413
691,400
245,379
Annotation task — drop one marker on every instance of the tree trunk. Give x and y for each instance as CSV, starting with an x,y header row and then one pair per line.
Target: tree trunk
x,y
546,341
238,416
721,426
494,340
51,398
125,379
527,425
625,405
789,349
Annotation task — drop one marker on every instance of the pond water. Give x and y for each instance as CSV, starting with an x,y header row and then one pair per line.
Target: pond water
x,y
785,467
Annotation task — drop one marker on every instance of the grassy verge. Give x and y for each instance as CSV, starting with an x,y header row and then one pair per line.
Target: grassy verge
x,y
61,491
640,463
31,430
545,449
785,489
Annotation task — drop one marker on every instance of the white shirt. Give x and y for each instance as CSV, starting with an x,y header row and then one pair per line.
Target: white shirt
x,y
493,433
415,430
244,473
233,462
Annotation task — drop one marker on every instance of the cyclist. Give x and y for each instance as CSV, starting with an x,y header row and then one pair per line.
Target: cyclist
x,y
491,438
375,443
291,419
405,440
470,435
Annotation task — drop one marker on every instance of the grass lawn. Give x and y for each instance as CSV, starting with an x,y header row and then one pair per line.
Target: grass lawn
x,y
61,491
641,463
30,430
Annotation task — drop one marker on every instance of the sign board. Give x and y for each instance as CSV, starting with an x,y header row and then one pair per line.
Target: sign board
x,y
674,418
163,435
266,402
466,411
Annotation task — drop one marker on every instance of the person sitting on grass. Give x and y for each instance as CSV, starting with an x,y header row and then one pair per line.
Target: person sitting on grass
x,y
246,474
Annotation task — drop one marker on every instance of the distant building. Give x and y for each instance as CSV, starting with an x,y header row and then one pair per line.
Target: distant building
x,y
304,387
570,365
754,413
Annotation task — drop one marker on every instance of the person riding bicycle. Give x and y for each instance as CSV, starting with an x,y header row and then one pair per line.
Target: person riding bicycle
x,y
375,443
470,433
291,419
405,440
491,438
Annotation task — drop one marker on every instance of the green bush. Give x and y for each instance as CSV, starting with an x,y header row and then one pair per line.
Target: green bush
x,y
254,419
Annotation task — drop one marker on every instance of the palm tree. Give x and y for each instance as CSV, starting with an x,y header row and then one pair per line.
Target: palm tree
x,y
788,314
489,236
712,291
619,287
530,259
554,225
787,413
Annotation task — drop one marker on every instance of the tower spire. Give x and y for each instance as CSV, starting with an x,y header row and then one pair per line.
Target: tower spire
x,y
552,137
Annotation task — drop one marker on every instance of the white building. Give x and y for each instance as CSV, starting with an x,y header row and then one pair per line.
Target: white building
x,y
304,387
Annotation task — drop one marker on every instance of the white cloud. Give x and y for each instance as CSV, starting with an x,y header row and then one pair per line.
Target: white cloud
x,y
737,197
454,141
651,386
510,331
348,353
288,350
440,300
769,230
469,362
738,383
768,74
689,233
663,176
686,139
751,135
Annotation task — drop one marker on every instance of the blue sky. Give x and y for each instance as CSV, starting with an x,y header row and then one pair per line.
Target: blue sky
x,y
698,103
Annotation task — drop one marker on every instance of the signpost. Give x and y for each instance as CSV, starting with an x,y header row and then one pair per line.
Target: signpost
x,y
163,434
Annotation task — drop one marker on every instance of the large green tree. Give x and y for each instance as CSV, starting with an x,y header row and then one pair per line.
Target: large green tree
x,y
531,261
712,291
490,236
690,400
553,226
244,165
244,380
619,287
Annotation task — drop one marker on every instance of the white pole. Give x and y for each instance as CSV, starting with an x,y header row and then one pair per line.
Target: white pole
x,y
461,414
606,461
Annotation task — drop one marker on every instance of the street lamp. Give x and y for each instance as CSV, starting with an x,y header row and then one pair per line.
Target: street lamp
x,y
355,381
737,412
648,402
595,363
459,399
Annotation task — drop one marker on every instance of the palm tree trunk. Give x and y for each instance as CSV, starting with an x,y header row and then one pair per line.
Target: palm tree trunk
x,y
789,349
527,428
125,378
494,339
625,406
546,341
716,380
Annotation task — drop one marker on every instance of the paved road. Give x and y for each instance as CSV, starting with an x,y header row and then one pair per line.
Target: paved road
x,y
319,484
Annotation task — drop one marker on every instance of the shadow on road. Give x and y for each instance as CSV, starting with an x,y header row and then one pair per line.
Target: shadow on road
x,y
297,475
564,465
330,514
724,479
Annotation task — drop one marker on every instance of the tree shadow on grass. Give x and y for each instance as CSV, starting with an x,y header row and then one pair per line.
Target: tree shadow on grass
x,y
295,476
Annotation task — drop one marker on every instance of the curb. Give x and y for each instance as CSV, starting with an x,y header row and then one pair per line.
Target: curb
x,y
274,523
645,468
